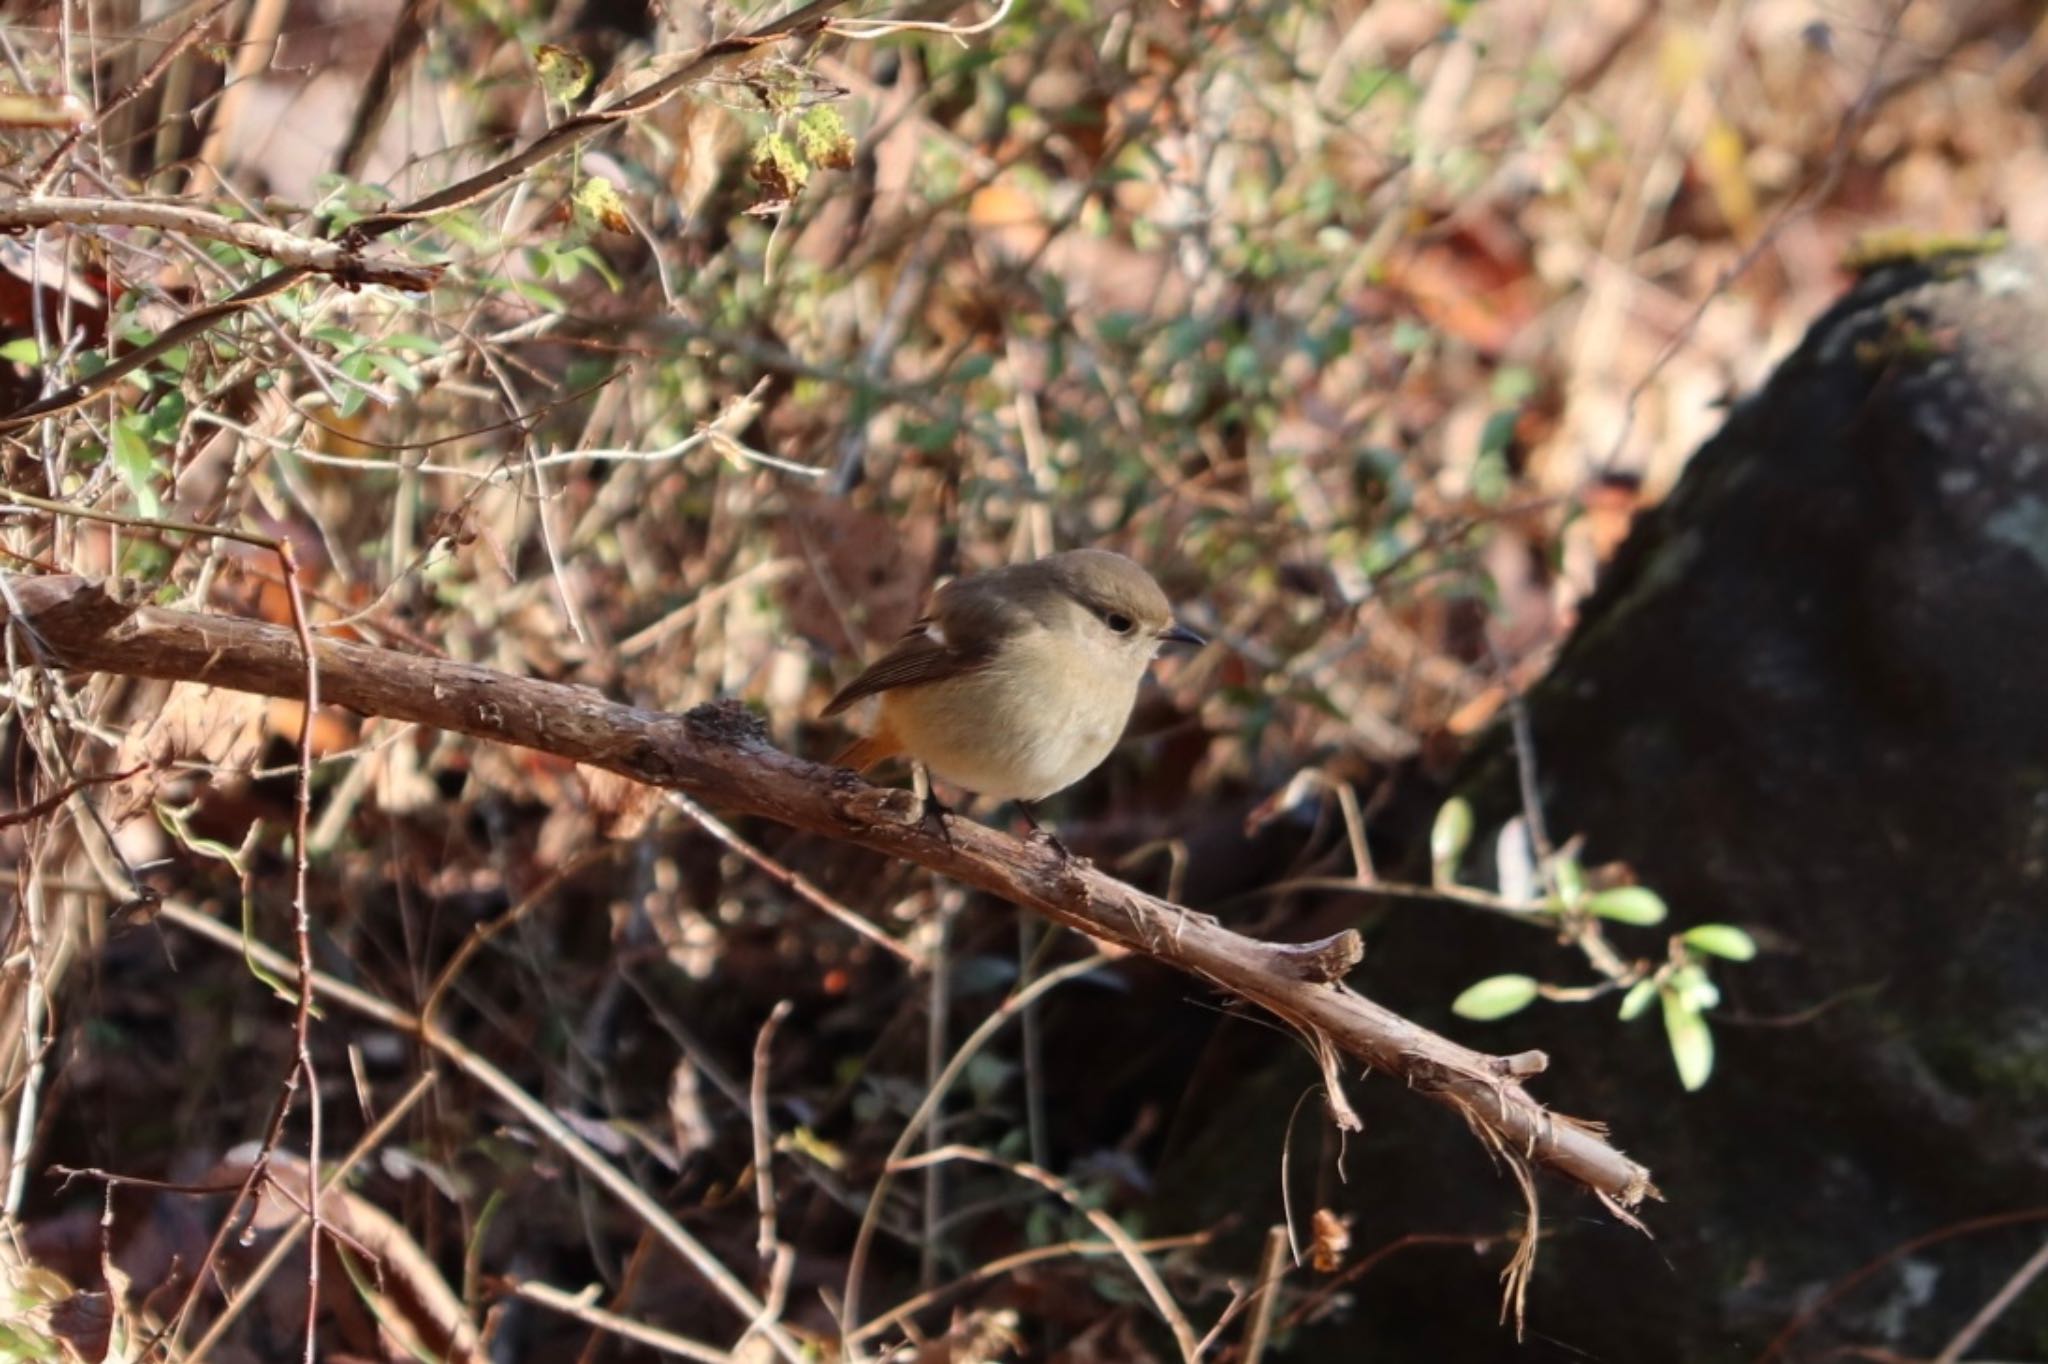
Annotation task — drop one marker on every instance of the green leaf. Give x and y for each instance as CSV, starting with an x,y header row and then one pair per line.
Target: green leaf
x,y
413,341
597,207
136,463
465,230
162,424
1449,836
1498,433
1243,366
401,373
1569,880
971,368
25,1345
589,256
1514,384
778,167
1692,1042
1721,940
539,294
1629,905
929,437
1692,985
353,396
1410,337
25,350
146,561
822,136
563,74
1495,997
1637,999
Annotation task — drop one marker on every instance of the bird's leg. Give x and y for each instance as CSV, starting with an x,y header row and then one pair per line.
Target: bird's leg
x,y
931,810
1043,834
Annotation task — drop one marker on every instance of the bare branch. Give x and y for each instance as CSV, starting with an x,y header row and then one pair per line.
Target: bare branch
x,y
720,754
764,1130
53,165
1990,1312
344,260
434,1295
583,1306
563,137
532,1111
1003,1264
927,1108
865,30
1141,1267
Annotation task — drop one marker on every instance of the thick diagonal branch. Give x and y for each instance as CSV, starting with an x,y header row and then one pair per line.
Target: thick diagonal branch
x,y
719,754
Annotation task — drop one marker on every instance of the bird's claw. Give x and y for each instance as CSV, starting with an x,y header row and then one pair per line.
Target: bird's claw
x,y
932,819
1052,841
1046,837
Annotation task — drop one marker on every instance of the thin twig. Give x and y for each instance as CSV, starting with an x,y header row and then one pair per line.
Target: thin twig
x,y
34,1008
764,1131
1812,1312
29,813
1273,1268
153,523
344,261
1033,938
760,575
530,1110
865,30
938,1010
1329,1288
302,929
996,1268
1849,131
1148,1277
583,1306
776,1297
856,1263
796,881
1991,1311
301,1070
245,1292
255,47
483,933
379,88
557,141
53,164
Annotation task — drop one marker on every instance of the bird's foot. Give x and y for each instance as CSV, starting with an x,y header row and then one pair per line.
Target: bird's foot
x,y
1041,834
932,817
931,811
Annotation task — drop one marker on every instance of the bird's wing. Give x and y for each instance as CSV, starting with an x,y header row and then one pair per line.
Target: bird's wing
x,y
931,652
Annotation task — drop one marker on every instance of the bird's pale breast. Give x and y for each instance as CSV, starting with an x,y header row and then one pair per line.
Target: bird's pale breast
x,y
1038,721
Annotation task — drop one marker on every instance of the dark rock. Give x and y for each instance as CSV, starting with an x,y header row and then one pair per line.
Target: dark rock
x,y
1808,699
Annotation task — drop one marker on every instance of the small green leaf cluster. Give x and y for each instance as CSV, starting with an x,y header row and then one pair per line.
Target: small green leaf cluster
x,y
1680,983
784,156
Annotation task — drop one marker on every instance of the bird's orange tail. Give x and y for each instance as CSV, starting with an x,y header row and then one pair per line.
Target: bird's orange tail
x,y
866,753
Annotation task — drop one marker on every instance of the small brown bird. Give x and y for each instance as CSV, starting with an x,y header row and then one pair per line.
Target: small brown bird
x,y
1017,683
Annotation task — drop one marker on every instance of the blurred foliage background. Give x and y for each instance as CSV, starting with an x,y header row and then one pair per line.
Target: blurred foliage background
x,y
1366,326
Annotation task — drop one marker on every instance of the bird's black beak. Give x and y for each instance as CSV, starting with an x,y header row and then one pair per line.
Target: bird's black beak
x,y
1177,633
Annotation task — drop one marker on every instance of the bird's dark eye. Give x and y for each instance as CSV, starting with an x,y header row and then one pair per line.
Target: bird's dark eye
x,y
1119,622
